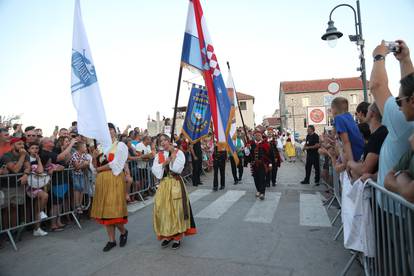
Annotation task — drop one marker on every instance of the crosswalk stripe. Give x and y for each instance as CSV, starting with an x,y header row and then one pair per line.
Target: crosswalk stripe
x,y
312,212
132,208
221,205
198,194
263,211
194,196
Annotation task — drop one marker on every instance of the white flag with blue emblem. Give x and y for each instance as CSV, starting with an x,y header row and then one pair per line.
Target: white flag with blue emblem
x,y
85,89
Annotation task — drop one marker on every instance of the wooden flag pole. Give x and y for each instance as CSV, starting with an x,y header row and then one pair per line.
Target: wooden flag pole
x,y
241,115
176,103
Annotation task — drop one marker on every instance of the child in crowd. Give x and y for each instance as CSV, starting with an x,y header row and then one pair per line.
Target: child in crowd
x,y
80,163
347,130
38,195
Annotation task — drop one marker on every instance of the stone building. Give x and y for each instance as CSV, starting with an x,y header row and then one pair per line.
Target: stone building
x,y
296,98
246,105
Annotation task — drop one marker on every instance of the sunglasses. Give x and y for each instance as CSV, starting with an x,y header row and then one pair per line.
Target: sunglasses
x,y
398,100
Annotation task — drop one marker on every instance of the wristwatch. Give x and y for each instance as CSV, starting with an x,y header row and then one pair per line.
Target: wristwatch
x,y
379,57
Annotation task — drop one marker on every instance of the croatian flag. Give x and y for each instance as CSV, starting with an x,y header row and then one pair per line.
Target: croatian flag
x,y
198,52
85,89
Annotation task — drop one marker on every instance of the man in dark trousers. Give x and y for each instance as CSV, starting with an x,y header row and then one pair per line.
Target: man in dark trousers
x,y
276,160
197,162
260,164
312,155
219,164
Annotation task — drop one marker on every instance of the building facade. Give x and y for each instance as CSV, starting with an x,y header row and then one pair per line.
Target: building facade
x,y
246,105
297,98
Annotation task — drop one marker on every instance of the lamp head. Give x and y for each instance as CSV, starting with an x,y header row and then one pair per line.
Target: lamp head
x,y
332,34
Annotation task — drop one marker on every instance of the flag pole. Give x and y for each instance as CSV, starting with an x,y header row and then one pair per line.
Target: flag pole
x,y
180,73
238,105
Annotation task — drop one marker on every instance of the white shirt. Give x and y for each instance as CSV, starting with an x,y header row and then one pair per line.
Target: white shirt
x,y
121,156
177,166
141,148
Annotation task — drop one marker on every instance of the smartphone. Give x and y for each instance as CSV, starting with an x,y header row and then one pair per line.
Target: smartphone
x,y
56,128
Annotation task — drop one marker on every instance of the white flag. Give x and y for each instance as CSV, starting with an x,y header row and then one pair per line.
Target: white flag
x,y
85,89
233,99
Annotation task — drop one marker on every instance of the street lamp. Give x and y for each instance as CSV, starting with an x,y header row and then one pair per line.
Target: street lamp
x,y
332,35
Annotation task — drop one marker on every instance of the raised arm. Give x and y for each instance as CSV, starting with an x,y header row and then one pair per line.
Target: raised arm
x,y
378,83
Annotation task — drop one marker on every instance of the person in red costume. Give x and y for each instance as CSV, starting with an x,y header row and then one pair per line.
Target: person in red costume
x,y
261,163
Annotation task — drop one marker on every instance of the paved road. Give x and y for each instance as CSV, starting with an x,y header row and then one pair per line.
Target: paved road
x,y
287,234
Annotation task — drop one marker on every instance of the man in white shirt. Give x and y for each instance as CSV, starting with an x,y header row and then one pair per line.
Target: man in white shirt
x,y
144,152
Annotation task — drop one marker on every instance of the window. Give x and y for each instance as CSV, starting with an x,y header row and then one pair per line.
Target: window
x,y
242,105
305,101
354,99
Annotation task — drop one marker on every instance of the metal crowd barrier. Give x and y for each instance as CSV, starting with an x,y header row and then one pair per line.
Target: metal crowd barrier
x,y
394,235
21,204
142,179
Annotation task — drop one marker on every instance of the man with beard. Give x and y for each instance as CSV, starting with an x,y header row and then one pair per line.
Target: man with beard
x,y
260,163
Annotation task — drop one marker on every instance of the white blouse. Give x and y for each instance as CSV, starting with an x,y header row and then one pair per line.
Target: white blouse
x,y
121,156
177,166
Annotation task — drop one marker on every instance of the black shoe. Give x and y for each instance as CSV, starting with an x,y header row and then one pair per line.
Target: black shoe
x,y
317,183
200,183
304,182
262,196
165,243
215,189
236,182
221,187
195,185
176,245
274,184
123,239
109,246
240,178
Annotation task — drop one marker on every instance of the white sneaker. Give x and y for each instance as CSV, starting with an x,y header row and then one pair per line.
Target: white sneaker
x,y
43,215
39,232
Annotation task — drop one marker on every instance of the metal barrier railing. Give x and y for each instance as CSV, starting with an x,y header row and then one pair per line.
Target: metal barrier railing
x,y
142,178
394,225
41,199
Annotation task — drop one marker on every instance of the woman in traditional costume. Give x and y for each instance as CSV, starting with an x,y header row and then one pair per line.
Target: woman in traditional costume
x,y
109,205
172,217
290,150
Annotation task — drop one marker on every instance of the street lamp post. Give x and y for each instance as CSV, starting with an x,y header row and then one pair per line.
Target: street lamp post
x,y
332,35
293,118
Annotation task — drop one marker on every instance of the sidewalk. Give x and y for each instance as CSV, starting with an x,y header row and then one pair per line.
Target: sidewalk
x,y
286,234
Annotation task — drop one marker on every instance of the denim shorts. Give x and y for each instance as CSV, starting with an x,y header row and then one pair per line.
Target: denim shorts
x,y
78,182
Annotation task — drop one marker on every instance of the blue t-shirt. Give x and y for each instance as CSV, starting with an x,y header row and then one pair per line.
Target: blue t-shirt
x,y
345,123
396,143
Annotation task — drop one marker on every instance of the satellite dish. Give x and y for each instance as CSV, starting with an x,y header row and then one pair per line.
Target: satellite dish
x,y
333,88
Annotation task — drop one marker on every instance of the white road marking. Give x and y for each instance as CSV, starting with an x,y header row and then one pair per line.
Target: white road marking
x,y
312,211
263,211
221,205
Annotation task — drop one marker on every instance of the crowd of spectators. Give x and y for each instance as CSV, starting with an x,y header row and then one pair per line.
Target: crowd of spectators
x,y
380,143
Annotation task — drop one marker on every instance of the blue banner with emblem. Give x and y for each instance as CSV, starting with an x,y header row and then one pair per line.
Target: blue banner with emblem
x,y
198,116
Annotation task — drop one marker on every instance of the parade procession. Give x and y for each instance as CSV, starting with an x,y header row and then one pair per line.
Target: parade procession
x,y
149,157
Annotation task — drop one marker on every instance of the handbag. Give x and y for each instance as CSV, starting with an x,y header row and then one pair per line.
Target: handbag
x,y
37,181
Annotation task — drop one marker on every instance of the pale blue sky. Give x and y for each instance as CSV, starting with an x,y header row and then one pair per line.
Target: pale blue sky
x,y
136,46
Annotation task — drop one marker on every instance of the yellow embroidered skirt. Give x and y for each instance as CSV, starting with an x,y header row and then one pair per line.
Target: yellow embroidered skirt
x,y
109,204
168,217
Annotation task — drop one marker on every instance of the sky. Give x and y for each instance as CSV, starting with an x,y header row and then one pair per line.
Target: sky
x,y
136,46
